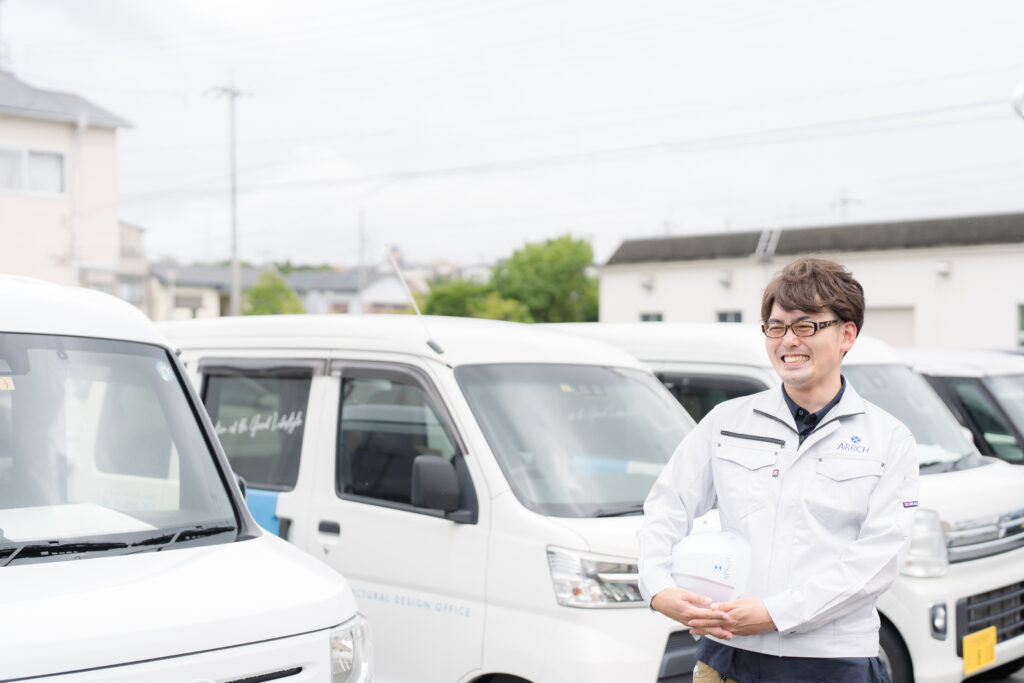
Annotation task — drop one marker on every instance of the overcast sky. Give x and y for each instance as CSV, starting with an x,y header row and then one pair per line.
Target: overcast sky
x,y
464,128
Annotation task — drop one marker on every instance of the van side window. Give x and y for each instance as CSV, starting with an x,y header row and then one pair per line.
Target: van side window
x,y
698,394
260,418
983,411
386,421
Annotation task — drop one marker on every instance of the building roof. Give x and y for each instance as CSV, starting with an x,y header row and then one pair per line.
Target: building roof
x,y
302,281
916,234
214,277
18,98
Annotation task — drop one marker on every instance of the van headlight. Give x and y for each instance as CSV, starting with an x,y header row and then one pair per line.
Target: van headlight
x,y
351,651
927,556
587,580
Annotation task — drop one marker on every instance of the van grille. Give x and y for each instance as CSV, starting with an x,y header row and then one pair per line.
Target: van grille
x,y
679,659
1002,608
990,538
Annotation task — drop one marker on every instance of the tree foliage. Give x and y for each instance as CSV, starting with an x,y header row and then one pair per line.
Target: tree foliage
x,y
542,282
271,295
551,280
455,297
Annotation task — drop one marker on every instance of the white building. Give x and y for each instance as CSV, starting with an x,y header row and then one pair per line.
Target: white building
x,y
58,188
955,282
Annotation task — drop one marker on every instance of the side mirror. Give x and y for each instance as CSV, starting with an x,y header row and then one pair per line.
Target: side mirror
x,y
435,484
242,486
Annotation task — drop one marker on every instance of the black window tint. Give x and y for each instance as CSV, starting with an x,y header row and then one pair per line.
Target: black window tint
x,y
386,421
698,394
260,420
989,420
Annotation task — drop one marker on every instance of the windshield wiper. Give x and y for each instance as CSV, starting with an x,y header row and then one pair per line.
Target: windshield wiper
x,y
189,533
56,548
634,509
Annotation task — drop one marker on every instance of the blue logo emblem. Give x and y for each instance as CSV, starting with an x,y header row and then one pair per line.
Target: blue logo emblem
x,y
855,439
853,445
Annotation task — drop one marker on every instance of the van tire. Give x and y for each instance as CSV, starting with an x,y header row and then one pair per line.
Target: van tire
x,y
894,654
502,678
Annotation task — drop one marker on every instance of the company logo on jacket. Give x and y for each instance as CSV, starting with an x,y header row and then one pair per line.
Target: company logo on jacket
x,y
853,445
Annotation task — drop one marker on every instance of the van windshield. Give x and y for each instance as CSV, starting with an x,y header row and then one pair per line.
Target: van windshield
x,y
575,440
941,442
100,452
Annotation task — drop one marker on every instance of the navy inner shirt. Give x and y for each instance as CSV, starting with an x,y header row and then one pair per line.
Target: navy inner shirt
x,y
807,422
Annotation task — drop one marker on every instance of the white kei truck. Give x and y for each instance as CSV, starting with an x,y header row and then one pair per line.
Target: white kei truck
x,y
957,609
126,549
479,483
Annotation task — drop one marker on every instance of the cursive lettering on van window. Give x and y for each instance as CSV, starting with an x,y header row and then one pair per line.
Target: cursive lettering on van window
x,y
253,425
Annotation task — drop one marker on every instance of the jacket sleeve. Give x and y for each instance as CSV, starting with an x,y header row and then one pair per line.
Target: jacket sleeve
x,y
683,491
872,562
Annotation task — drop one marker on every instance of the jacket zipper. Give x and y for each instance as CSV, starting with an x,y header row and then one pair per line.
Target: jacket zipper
x,y
753,437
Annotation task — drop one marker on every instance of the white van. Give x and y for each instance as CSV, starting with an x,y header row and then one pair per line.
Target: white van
x,y
985,390
965,569
478,482
126,550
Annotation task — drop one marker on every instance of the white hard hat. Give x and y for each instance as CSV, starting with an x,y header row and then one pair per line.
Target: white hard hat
x,y
715,564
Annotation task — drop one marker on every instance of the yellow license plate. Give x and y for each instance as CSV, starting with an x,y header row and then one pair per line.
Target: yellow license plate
x,y
979,649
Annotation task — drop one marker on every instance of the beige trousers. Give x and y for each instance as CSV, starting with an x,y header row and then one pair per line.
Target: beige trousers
x,y
702,673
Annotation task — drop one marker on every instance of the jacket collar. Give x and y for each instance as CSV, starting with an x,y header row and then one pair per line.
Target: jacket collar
x,y
772,404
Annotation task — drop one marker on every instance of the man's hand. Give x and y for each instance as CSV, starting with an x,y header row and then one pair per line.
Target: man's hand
x,y
691,609
746,616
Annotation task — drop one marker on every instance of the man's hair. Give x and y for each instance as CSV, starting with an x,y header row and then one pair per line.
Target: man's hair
x,y
812,285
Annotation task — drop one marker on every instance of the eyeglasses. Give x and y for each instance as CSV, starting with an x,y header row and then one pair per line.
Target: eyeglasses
x,y
801,328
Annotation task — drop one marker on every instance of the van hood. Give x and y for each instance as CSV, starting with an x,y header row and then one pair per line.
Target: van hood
x,y
97,612
617,535
993,489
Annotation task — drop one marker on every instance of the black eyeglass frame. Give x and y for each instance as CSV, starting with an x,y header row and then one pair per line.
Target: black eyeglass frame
x,y
786,328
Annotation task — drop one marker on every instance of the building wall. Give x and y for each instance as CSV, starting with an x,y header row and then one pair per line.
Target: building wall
x,y
957,297
180,302
47,215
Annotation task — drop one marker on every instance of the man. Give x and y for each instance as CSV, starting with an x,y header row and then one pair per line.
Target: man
x,y
821,483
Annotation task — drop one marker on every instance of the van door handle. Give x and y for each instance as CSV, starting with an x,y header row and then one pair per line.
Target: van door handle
x,y
330,528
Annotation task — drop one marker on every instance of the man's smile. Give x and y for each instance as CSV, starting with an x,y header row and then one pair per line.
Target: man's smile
x,y
795,358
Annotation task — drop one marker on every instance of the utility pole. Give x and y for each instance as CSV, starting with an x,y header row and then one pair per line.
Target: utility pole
x,y
232,93
362,259
843,202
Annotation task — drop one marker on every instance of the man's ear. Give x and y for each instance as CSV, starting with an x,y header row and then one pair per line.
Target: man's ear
x,y
847,335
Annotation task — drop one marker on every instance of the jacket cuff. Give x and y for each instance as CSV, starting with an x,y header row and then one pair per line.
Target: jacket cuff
x,y
784,619
655,582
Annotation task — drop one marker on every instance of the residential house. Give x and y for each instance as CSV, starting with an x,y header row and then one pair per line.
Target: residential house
x,y
58,187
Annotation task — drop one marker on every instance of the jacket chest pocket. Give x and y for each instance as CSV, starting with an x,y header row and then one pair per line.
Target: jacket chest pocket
x,y
744,475
838,494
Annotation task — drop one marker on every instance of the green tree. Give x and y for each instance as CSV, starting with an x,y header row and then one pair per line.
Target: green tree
x,y
455,297
551,280
271,295
494,307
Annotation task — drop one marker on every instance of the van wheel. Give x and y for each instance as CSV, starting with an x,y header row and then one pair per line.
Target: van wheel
x,y
1002,671
894,654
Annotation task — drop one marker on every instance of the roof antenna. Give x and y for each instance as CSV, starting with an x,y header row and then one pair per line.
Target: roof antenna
x,y
398,271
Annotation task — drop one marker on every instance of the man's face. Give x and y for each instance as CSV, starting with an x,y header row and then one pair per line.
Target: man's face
x,y
806,363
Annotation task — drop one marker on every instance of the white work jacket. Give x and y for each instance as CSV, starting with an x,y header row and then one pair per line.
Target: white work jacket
x,y
828,521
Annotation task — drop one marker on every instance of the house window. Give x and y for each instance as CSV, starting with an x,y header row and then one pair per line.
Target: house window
x,y
650,317
31,170
10,168
730,316
130,289
45,172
